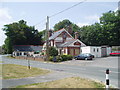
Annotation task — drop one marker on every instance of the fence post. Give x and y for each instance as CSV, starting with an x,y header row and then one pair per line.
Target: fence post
x,y
107,79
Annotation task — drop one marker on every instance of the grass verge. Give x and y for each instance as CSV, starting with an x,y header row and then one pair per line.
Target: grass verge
x,y
72,82
1,61
12,71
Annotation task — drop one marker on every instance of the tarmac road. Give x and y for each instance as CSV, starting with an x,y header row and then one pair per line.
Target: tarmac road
x,y
87,69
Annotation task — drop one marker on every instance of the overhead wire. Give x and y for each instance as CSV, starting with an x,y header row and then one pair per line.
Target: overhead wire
x,y
61,11
67,9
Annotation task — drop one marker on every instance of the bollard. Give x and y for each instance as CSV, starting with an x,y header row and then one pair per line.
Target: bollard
x,y
107,79
28,64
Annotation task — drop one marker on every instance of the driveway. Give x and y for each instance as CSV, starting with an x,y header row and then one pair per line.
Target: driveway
x,y
106,62
87,69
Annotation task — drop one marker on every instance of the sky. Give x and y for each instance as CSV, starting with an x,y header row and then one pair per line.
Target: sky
x,y
34,12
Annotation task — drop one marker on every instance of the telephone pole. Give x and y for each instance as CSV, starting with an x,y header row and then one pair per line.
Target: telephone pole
x,y
119,6
47,39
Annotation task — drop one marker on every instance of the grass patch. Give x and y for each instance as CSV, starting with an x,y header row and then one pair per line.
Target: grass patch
x,y
72,82
10,57
10,71
0,71
1,61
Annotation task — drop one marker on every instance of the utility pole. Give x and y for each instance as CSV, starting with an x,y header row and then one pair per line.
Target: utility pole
x,y
119,6
47,39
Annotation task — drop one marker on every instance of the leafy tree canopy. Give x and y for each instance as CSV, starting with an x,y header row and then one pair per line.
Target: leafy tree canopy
x,y
19,33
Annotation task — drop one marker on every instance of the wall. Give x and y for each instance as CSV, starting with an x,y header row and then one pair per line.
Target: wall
x,y
96,51
30,58
85,49
109,50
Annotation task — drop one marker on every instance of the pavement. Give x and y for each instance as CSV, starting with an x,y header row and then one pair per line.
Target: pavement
x,y
94,70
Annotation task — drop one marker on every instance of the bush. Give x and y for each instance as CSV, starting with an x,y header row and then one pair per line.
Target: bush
x,y
61,58
53,51
69,57
51,58
66,57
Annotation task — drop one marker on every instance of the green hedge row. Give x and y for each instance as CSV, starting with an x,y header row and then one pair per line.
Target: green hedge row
x,y
60,58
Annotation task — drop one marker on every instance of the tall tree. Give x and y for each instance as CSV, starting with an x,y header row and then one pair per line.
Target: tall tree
x,y
19,33
107,32
66,24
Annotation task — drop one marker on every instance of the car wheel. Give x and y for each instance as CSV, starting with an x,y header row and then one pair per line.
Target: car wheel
x,y
86,59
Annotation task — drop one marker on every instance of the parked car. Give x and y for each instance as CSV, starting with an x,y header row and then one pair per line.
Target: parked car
x,y
90,55
115,53
85,56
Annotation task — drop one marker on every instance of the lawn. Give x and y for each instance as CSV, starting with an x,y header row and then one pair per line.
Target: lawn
x,y
11,71
1,61
72,82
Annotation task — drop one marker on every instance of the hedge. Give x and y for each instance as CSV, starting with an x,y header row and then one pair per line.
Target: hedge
x,y
61,58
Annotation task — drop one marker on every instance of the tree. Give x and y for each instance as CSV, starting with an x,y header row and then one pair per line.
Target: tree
x,y
107,32
110,22
62,24
53,51
19,33
8,47
66,24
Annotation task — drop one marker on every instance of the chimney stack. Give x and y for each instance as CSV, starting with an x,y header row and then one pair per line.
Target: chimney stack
x,y
70,30
76,35
50,33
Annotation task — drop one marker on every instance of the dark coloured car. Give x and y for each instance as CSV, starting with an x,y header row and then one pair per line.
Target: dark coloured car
x,y
115,53
84,57
90,55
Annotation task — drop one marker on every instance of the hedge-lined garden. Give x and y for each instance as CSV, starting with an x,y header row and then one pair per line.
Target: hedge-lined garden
x,y
60,58
54,57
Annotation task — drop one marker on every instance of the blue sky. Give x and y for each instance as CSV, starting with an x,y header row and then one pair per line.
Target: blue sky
x,y
33,12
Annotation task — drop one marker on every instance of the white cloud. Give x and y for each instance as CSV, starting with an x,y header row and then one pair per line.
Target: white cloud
x,y
5,18
93,18
89,20
82,24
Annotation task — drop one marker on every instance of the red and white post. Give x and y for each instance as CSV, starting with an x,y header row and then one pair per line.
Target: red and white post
x,y
107,79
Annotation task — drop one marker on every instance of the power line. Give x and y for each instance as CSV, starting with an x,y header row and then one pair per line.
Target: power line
x,y
67,9
60,12
40,22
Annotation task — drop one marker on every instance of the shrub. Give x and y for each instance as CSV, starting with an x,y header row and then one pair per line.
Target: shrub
x,y
64,57
69,57
53,51
59,59
51,58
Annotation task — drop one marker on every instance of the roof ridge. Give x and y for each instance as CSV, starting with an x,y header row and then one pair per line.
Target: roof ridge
x,y
60,30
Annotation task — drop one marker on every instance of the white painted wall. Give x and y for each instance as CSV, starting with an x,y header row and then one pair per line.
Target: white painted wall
x,y
51,43
66,51
109,50
96,51
85,49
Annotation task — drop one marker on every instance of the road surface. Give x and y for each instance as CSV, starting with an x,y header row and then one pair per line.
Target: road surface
x,y
94,70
